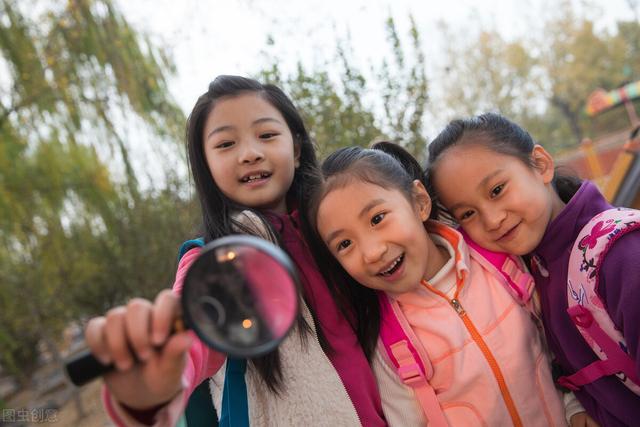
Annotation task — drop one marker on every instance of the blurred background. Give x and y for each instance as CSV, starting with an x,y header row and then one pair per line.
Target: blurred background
x,y
95,196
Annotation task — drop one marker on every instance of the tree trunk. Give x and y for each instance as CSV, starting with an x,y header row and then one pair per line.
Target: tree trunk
x,y
571,116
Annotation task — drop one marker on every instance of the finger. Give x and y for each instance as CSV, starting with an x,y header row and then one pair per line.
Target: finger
x,y
165,310
116,338
173,355
95,338
138,327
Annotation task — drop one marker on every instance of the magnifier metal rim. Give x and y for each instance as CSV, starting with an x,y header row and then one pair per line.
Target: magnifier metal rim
x,y
263,246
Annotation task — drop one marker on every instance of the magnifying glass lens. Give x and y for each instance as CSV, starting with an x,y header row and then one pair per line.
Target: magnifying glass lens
x,y
240,299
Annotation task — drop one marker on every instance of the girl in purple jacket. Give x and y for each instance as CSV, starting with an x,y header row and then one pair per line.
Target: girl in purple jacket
x,y
502,188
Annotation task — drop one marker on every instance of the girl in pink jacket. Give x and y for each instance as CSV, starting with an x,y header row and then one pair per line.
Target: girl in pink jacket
x,y
371,222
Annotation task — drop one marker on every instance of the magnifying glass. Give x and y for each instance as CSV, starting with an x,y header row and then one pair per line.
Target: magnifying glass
x,y
239,297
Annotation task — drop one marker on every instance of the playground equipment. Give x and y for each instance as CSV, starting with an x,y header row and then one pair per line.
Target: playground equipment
x,y
613,161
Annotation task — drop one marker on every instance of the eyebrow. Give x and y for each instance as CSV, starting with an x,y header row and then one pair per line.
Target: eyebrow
x,y
372,204
481,184
255,122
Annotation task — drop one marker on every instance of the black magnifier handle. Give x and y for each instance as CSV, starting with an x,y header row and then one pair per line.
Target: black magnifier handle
x,y
85,367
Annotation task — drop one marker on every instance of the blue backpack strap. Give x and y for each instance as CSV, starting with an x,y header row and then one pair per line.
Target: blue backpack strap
x,y
235,408
200,411
188,245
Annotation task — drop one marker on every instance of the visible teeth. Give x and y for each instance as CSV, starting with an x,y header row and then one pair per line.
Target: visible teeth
x,y
395,262
254,177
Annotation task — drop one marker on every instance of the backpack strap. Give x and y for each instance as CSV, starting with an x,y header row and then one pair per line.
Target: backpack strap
x,y
200,411
188,245
586,309
235,407
509,267
414,370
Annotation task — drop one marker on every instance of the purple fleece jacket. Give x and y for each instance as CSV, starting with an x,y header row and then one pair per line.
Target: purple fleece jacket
x,y
607,400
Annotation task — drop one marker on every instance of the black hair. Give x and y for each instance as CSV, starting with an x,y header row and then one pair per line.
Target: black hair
x,y
216,207
497,133
218,210
387,165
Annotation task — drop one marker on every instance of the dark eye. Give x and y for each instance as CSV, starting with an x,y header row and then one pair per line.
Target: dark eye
x,y
466,215
377,218
344,244
225,144
268,135
495,191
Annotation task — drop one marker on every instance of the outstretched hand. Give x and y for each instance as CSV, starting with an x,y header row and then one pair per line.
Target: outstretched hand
x,y
148,359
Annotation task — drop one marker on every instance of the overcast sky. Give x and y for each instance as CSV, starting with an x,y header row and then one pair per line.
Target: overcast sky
x,y
211,37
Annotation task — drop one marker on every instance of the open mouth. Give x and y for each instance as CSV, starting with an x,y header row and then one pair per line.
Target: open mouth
x,y
255,177
395,265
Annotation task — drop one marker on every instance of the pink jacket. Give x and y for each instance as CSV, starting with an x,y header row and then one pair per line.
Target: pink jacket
x,y
489,364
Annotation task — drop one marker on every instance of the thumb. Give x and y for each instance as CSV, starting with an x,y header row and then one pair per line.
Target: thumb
x,y
173,355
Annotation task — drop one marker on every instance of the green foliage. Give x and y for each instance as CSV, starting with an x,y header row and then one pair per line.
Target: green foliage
x,y
79,234
74,240
337,110
335,118
543,81
489,74
405,90
580,61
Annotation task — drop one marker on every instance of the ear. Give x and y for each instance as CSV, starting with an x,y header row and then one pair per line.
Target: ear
x,y
544,163
421,199
297,149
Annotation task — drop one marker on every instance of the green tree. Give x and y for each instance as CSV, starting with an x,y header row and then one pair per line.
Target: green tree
x,y
405,90
542,81
578,61
337,110
489,73
77,235
335,118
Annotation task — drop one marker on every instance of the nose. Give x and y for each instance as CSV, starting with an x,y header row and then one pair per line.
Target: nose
x,y
251,153
373,250
493,218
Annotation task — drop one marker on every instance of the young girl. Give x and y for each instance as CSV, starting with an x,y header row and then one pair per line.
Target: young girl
x,y
370,215
251,159
502,189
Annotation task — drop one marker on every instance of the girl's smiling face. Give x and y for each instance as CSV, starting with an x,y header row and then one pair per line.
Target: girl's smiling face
x,y
504,204
250,151
378,235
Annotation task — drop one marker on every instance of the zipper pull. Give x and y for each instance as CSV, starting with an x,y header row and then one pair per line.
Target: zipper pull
x,y
457,307
537,264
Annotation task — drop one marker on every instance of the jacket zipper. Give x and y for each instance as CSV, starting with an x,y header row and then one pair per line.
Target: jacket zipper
x,y
506,395
486,352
